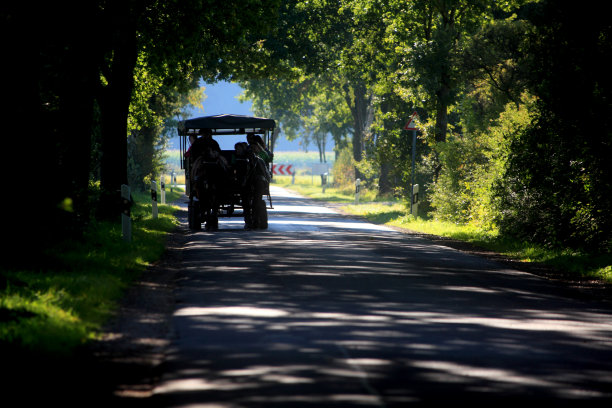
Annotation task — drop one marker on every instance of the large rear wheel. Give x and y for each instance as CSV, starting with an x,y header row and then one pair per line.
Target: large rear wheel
x,y
261,215
193,216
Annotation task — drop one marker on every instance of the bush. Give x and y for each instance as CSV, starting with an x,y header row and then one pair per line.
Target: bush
x,y
344,170
473,165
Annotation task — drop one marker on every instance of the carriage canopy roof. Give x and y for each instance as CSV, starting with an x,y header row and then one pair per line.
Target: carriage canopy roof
x,y
230,124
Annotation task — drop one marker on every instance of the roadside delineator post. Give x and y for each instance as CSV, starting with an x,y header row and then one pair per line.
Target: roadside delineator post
x,y
357,190
324,181
319,168
411,125
126,220
154,198
162,184
415,200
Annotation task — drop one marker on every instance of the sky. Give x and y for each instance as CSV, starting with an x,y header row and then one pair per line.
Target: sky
x,y
222,98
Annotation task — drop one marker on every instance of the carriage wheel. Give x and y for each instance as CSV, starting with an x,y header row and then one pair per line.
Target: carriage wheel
x,y
264,215
193,216
190,214
261,215
212,222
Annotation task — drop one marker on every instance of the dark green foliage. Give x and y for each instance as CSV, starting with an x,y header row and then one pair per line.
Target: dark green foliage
x,y
557,189
460,63
73,69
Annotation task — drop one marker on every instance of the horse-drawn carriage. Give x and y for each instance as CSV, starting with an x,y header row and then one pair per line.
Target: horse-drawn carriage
x,y
219,181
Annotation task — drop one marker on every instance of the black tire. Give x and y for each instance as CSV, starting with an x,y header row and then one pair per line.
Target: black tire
x,y
212,222
190,214
193,216
261,214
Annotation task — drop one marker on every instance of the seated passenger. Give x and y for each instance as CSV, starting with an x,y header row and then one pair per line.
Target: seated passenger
x,y
259,147
192,139
202,145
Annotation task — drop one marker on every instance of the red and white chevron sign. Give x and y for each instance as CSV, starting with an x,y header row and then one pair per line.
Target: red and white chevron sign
x,y
282,169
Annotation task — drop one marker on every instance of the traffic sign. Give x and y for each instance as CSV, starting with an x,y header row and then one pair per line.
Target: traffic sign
x,y
282,169
411,125
320,168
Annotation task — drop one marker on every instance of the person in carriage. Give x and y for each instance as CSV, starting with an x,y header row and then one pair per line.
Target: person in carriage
x,y
209,174
204,153
258,147
258,180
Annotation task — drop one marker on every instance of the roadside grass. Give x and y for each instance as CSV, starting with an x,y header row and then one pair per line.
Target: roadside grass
x,y
310,186
569,263
58,307
179,178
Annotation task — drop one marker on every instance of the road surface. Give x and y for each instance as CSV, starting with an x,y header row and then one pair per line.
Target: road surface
x,y
322,310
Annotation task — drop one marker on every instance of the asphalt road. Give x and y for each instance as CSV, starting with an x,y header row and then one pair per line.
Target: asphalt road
x,y
322,310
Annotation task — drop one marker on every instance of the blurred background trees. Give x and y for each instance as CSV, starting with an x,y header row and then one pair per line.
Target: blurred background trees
x,y
513,100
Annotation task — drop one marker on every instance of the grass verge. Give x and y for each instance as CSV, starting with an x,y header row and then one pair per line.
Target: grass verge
x,y
310,186
62,305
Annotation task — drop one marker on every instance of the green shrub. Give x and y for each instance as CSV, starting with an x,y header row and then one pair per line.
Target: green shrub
x,y
344,170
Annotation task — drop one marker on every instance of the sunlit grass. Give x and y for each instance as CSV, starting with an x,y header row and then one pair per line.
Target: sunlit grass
x,y
60,306
179,179
310,186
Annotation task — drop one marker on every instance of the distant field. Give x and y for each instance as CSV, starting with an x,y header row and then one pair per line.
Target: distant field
x,y
300,160
173,158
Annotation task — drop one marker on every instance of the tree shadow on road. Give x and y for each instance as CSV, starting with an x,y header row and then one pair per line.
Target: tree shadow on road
x,y
341,317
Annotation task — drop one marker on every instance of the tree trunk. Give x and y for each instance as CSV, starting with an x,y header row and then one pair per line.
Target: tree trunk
x,y
359,103
384,184
321,141
79,82
115,108
443,96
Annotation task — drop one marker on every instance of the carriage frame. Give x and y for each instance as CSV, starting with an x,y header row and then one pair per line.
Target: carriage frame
x,y
219,126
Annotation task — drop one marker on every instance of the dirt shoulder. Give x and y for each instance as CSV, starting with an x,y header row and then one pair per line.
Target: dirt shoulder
x,y
130,353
